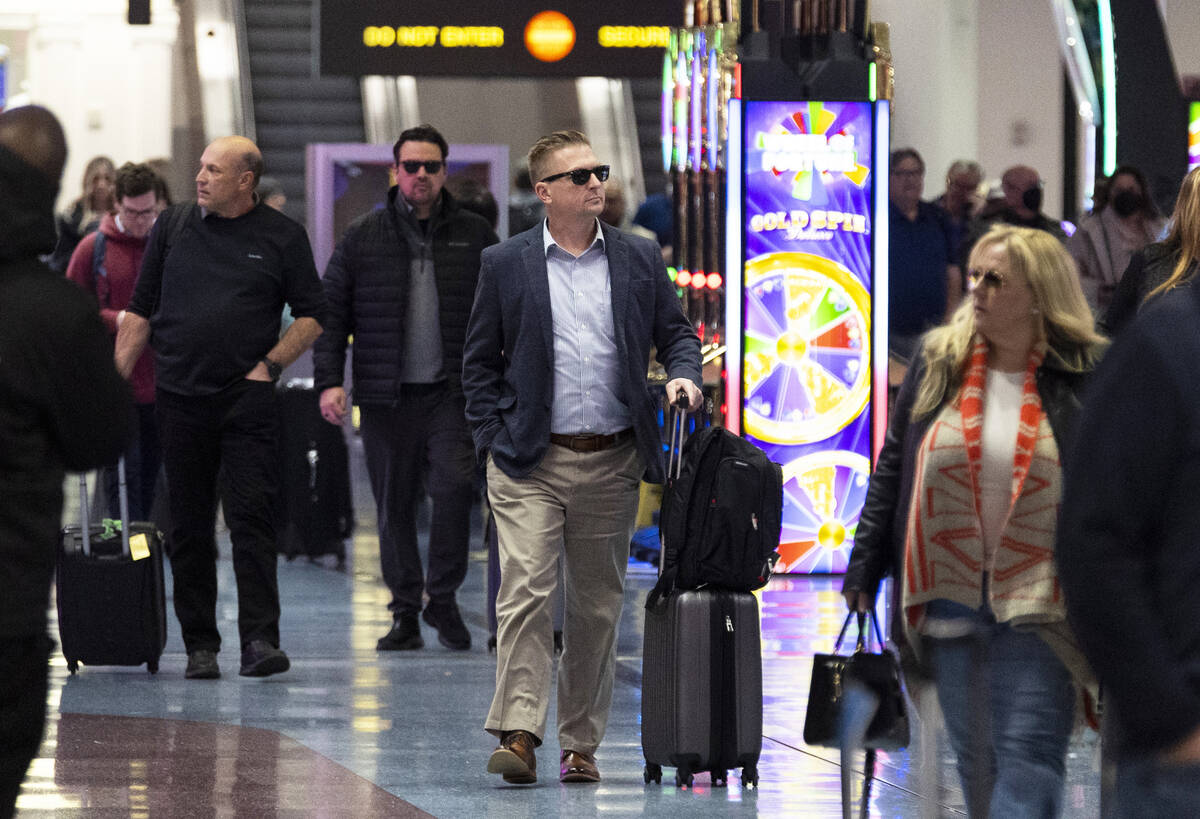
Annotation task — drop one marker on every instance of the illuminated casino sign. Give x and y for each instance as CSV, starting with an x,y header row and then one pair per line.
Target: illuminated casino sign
x,y
568,38
806,380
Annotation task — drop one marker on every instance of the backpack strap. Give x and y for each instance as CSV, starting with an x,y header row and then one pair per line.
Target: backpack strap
x,y
665,585
99,271
176,224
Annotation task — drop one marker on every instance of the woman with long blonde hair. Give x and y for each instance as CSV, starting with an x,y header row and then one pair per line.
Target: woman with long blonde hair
x,y
961,511
84,214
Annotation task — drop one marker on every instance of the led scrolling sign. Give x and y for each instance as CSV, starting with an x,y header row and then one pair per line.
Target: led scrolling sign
x,y
474,38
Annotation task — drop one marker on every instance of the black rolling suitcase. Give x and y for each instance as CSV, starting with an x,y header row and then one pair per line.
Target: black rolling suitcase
x,y
702,686
109,588
701,670
316,507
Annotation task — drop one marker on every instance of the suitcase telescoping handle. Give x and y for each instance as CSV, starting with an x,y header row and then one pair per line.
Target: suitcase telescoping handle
x,y
85,513
679,408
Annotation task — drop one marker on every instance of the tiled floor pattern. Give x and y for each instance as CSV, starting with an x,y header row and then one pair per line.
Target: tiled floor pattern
x,y
353,732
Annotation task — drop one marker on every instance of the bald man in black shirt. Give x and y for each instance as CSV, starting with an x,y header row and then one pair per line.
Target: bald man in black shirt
x,y
213,283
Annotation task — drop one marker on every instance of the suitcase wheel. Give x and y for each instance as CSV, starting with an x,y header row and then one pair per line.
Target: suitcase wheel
x,y
652,773
683,779
152,666
719,778
72,666
750,777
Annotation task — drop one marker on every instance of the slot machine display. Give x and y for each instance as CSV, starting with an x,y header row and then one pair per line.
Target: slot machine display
x,y
776,120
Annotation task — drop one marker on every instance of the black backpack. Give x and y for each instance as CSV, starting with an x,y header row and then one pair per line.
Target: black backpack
x,y
721,517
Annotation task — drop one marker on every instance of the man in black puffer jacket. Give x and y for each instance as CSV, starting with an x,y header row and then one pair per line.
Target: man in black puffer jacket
x,y
62,406
402,282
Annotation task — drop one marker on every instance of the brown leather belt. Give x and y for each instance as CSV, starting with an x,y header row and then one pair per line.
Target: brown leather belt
x,y
590,443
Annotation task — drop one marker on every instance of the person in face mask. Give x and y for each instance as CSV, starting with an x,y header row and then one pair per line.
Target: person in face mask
x,y
1021,206
1108,238
1159,266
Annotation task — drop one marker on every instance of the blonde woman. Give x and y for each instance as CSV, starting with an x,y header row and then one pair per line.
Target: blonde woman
x,y
961,510
84,214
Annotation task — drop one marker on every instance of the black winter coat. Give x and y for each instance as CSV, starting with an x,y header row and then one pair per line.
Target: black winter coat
x,y
879,540
1128,535
62,403
1149,268
366,286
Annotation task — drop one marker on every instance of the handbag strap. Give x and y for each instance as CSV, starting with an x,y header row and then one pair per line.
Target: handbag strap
x,y
863,641
842,634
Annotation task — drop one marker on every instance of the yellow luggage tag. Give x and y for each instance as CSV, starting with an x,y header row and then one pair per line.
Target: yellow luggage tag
x,y
139,546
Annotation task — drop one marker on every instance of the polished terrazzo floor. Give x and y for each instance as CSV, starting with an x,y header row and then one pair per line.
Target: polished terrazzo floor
x,y
353,732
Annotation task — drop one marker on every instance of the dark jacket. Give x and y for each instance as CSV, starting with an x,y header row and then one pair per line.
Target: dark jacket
x,y
508,363
1147,269
366,286
71,230
1129,532
879,541
62,404
1004,215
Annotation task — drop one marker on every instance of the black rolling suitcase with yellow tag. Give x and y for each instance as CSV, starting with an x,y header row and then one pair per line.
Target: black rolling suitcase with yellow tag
x,y
109,586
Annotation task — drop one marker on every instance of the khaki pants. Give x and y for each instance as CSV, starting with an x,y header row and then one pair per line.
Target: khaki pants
x,y
586,502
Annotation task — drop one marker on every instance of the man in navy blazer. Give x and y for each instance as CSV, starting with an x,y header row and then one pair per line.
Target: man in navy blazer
x,y
554,373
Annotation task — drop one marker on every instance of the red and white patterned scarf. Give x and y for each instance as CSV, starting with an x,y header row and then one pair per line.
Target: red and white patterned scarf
x,y
944,545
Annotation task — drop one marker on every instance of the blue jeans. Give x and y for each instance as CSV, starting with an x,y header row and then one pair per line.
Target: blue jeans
x,y
1009,706
1152,789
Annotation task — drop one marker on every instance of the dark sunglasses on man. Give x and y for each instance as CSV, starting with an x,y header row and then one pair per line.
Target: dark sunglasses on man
x,y
580,176
431,166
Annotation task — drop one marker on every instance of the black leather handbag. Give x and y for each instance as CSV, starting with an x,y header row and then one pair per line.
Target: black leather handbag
x,y
878,671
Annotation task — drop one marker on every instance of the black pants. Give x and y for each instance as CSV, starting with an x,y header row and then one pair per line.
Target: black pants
x,y
142,462
425,433
25,665
234,431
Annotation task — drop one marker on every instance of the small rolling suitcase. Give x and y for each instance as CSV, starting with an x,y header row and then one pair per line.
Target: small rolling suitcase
x,y
316,507
109,587
702,686
701,674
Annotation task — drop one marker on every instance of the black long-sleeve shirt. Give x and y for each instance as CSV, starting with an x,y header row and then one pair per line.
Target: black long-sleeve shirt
x,y
214,293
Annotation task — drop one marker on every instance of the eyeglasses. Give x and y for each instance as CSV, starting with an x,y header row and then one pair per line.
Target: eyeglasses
x,y
130,213
431,166
581,176
908,173
988,278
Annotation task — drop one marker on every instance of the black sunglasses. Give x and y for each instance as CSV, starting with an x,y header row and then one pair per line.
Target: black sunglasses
x,y
580,176
988,278
431,166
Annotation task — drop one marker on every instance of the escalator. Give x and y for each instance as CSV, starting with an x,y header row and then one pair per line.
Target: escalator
x,y
293,106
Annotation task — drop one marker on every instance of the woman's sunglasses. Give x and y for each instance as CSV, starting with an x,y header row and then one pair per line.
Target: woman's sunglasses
x,y
580,176
988,278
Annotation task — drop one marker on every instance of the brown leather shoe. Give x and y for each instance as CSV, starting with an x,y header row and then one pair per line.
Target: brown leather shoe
x,y
514,758
578,767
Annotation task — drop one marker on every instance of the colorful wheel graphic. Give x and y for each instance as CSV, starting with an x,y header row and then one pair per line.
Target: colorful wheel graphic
x,y
823,496
807,366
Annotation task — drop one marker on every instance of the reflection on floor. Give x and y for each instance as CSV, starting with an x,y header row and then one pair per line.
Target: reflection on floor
x,y
353,732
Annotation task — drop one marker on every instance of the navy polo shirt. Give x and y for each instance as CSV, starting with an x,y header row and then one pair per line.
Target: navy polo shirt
x,y
919,252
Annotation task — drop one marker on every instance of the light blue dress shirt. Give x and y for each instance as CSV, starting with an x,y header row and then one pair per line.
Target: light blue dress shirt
x,y
587,392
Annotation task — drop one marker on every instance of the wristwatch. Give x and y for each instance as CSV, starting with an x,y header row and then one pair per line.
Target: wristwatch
x,y
274,368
